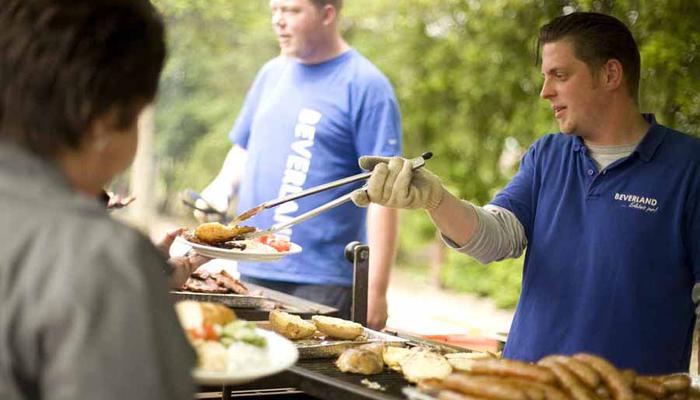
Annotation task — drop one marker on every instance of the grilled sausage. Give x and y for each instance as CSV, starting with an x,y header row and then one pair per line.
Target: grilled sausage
x,y
642,396
675,382
532,390
629,376
568,380
484,386
678,396
650,387
452,395
530,386
611,376
602,392
693,393
583,371
513,368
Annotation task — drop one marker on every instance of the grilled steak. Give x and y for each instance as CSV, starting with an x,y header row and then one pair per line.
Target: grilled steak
x,y
229,282
208,285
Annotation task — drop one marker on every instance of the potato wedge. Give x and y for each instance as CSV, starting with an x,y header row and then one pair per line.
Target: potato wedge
x,y
291,326
338,328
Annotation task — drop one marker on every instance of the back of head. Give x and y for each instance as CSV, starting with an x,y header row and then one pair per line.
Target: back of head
x,y
596,39
337,4
63,63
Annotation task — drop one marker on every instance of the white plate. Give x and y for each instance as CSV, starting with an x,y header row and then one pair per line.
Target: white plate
x,y
240,255
282,352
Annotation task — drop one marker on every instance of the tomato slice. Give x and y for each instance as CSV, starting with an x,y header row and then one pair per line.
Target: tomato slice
x,y
264,239
209,332
280,244
276,242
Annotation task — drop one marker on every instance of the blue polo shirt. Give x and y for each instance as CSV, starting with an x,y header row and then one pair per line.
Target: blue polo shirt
x,y
612,255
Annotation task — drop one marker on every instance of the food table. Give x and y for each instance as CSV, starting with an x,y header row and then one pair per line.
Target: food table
x,y
320,378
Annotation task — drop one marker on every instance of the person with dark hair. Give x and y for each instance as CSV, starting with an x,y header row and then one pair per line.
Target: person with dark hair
x,y
84,309
608,209
308,116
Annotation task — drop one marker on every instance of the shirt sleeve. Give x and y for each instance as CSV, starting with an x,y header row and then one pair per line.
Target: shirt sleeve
x,y
240,132
113,334
519,195
499,236
378,122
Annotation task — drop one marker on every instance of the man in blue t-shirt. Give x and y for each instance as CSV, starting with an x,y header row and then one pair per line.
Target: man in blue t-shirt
x,y
309,115
608,209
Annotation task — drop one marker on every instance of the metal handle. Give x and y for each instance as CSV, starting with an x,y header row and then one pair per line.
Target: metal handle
x,y
418,162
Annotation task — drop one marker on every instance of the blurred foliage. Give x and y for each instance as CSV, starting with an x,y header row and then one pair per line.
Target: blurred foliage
x,y
465,75
500,281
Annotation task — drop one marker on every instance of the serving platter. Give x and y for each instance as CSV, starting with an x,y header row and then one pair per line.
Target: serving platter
x,y
240,255
229,299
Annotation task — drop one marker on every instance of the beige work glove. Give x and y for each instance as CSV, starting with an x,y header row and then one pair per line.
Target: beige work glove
x,y
395,184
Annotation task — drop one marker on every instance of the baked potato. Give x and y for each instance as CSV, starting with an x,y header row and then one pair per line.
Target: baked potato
x,y
337,328
291,326
365,360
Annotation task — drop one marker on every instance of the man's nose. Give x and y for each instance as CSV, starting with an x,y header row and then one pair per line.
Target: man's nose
x,y
547,90
277,19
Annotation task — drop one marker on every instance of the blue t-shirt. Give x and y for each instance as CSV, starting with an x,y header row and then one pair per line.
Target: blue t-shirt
x,y
613,255
305,125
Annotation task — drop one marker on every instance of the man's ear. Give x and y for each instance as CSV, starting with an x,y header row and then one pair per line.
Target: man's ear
x,y
101,129
329,14
612,76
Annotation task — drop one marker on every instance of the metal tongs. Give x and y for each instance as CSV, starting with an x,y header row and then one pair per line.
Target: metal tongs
x,y
417,162
189,198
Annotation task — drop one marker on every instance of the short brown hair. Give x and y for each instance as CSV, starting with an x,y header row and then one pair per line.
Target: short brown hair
x,y
63,63
596,39
338,4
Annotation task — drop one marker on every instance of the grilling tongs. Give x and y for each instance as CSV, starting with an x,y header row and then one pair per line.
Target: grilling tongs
x,y
417,162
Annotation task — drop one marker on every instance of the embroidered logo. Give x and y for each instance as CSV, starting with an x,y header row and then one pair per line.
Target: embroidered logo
x,y
646,204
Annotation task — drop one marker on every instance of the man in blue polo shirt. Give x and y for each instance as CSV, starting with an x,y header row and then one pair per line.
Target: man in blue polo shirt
x,y
309,115
608,209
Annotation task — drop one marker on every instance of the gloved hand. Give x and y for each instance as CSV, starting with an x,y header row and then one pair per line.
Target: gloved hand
x,y
395,184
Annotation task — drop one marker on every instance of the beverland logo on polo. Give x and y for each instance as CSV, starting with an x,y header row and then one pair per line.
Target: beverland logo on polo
x,y
642,203
297,166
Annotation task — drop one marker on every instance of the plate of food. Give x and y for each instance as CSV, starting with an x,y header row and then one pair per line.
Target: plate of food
x,y
231,351
215,240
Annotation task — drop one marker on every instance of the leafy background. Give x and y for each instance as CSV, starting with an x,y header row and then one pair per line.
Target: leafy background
x,y
465,75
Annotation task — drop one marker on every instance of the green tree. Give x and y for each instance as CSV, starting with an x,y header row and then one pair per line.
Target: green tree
x,y
465,73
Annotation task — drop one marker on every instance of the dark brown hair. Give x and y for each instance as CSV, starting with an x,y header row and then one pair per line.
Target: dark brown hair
x,y
596,39
64,63
338,4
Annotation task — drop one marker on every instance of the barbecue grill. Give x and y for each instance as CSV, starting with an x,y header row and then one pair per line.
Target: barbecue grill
x,y
319,377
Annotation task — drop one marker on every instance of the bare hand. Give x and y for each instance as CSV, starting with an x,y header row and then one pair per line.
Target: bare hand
x,y
164,243
183,266
377,313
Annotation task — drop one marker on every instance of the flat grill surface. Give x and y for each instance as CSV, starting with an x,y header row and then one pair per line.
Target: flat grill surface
x,y
391,381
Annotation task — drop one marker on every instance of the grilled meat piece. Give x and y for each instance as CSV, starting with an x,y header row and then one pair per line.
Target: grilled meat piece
x,y
208,285
231,245
224,279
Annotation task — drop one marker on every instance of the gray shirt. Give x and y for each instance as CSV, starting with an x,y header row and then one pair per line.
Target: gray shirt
x,y
84,310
